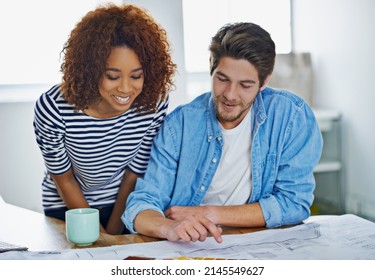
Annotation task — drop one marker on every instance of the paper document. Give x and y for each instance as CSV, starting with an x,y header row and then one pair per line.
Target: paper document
x,y
339,237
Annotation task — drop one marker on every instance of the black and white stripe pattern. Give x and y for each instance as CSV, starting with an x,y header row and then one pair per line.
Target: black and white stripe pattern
x,y
98,150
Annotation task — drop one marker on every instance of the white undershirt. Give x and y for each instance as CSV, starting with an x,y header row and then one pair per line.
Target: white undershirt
x,y
232,184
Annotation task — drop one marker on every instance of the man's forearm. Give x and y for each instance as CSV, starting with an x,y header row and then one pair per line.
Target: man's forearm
x,y
248,215
150,223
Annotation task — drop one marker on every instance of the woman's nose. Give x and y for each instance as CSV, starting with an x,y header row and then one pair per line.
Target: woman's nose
x,y
124,86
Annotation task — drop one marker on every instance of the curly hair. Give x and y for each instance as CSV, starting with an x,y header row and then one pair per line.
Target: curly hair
x,y
89,46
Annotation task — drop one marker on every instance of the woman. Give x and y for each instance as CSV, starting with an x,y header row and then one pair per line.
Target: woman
x,y
95,130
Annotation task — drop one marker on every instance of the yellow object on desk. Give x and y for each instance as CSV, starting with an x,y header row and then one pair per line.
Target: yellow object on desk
x,y
182,258
196,258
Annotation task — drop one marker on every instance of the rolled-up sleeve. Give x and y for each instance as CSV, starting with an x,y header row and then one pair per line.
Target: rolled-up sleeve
x,y
292,193
154,191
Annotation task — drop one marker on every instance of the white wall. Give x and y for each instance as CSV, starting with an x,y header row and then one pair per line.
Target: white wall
x,y
168,13
340,35
21,164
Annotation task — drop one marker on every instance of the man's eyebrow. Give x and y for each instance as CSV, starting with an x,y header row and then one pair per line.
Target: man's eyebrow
x,y
221,74
249,81
243,81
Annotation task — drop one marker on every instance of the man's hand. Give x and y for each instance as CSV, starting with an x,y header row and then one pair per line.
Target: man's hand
x,y
191,228
182,212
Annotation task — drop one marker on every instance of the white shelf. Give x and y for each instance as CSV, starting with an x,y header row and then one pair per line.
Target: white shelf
x,y
328,166
325,118
323,114
329,191
22,93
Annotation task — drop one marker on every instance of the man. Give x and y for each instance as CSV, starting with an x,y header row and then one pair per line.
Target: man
x,y
242,155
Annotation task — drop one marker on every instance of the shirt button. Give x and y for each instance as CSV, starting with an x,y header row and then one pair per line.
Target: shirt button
x,y
219,138
214,160
210,137
202,188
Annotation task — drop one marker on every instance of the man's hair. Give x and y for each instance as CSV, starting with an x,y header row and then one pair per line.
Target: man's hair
x,y
247,41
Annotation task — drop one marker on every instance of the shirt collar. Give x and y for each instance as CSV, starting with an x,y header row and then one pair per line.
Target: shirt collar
x,y
213,128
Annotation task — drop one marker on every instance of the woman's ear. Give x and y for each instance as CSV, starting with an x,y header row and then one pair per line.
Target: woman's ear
x,y
265,83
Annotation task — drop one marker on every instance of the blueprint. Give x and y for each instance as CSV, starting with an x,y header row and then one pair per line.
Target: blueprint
x,y
337,237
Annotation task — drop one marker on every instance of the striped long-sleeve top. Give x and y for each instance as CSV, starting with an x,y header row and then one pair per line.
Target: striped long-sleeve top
x,y
98,150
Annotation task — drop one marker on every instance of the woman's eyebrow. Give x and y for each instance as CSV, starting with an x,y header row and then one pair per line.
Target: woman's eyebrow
x,y
118,70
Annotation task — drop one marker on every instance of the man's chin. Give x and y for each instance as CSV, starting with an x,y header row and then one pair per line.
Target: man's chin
x,y
227,117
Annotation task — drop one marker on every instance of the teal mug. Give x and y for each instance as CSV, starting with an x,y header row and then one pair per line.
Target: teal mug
x,y
82,226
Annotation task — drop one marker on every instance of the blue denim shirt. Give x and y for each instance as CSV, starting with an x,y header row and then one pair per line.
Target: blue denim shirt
x,y
286,146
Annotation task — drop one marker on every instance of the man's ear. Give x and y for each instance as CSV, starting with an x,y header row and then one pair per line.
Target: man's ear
x,y
265,83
